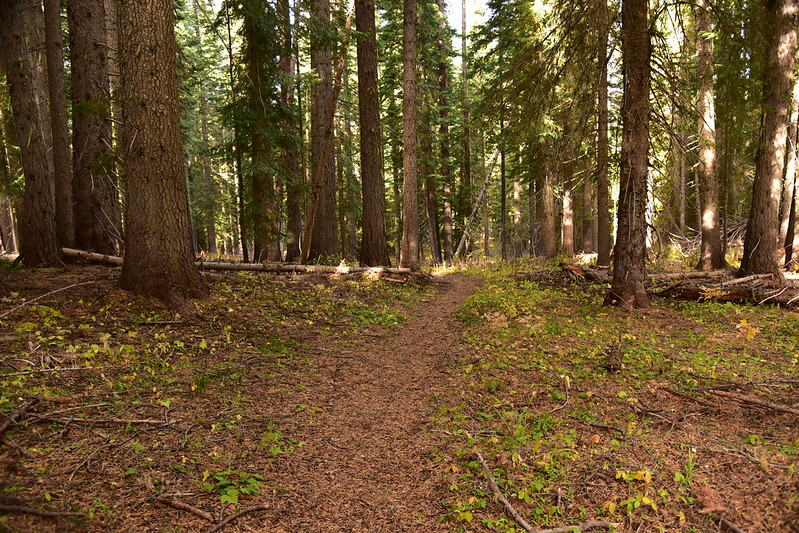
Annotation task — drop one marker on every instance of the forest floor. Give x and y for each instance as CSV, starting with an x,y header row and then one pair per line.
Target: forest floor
x,y
359,404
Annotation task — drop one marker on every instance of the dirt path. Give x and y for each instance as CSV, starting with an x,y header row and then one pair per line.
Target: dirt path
x,y
368,463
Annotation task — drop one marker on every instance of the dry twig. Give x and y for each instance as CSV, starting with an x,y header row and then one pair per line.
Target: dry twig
x,y
585,526
20,306
186,507
234,516
25,509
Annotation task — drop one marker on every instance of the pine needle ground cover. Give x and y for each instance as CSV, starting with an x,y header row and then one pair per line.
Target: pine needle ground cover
x,y
651,442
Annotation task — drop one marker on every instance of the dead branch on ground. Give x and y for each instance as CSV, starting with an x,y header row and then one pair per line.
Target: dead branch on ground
x,y
186,507
585,526
234,516
25,509
755,401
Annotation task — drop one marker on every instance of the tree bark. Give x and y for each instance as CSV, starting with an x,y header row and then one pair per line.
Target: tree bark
x,y
466,142
93,189
443,110
430,194
710,253
786,236
627,287
548,200
409,254
602,146
38,244
292,179
65,226
760,254
567,183
374,247
324,238
158,252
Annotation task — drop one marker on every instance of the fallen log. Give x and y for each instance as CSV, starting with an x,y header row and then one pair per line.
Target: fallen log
x,y
783,295
114,260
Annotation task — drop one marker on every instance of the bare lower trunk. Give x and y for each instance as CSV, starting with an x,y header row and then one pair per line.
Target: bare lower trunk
x,y
409,254
627,287
760,245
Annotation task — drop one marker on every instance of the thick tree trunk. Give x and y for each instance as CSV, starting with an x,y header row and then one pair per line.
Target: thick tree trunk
x,y
65,227
323,238
158,253
38,244
409,251
627,287
760,245
93,188
602,146
374,247
711,256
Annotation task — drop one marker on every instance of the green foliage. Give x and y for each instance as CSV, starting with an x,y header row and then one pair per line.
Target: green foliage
x,y
230,484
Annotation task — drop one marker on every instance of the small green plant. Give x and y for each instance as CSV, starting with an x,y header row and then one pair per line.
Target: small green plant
x,y
273,440
230,484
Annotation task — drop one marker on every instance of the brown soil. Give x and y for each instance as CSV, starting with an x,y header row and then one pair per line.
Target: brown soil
x,y
368,463
352,408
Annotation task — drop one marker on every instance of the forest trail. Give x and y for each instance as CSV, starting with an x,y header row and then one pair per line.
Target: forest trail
x,y
368,463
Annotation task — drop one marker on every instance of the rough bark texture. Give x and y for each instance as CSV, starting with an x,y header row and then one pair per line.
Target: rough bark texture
x,y
760,244
158,252
602,192
65,227
374,247
324,238
288,155
93,188
409,254
265,213
710,253
627,287
38,244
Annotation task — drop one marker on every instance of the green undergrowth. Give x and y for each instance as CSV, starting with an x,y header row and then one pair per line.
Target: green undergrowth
x,y
569,440
135,399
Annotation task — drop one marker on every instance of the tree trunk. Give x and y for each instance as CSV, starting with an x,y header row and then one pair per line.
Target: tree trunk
x,y
760,244
466,143
430,195
292,180
567,183
374,247
443,110
589,216
710,253
158,253
550,244
324,238
409,252
503,229
65,227
602,146
627,287
38,244
93,188
789,181
517,243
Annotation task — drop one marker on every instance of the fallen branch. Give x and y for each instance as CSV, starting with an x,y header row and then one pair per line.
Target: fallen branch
x,y
729,525
24,509
16,413
585,526
102,421
20,306
45,370
495,489
234,516
755,401
689,397
186,507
